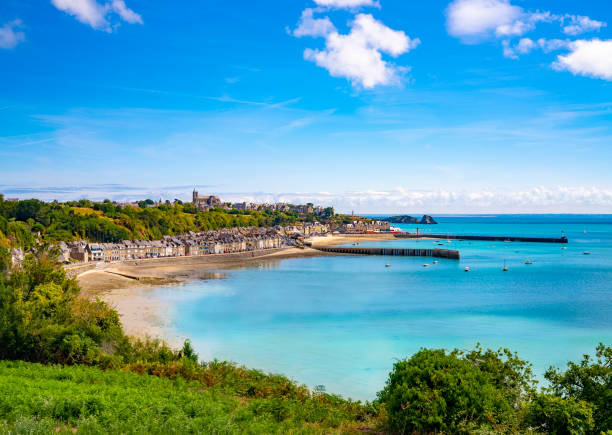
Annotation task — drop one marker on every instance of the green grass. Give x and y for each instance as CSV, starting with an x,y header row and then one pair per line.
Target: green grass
x,y
36,398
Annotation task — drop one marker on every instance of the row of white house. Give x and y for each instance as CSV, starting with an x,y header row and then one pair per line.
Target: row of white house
x,y
206,243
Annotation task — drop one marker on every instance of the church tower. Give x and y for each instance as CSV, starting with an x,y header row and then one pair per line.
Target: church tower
x,y
195,196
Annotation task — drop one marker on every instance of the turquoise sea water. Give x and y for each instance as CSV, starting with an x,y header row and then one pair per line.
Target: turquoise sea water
x,y
343,321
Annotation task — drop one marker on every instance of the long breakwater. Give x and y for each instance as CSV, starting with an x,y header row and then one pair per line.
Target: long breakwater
x,y
482,238
401,252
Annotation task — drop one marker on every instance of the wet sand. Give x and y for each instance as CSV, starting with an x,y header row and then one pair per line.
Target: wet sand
x,y
126,286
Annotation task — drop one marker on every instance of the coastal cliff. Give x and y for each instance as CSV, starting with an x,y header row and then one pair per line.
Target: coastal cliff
x,y
425,220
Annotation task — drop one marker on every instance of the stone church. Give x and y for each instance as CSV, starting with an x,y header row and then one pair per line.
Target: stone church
x,y
205,203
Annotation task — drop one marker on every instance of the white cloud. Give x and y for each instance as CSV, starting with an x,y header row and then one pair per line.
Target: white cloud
x,y
548,45
358,54
591,58
537,199
475,20
10,36
579,24
125,13
86,11
310,26
472,20
346,4
94,14
524,46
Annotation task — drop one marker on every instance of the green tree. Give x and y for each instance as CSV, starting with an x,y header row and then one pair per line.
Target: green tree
x,y
436,392
589,381
555,415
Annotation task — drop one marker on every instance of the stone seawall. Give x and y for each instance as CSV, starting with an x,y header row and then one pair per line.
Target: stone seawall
x,y
72,272
197,259
482,238
439,253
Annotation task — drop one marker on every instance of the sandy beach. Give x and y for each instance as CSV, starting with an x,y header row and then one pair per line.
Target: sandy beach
x,y
126,285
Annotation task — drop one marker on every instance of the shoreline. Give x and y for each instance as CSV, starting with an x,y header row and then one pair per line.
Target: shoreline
x,y
125,285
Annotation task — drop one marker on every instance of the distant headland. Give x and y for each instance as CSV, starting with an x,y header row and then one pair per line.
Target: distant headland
x,y
404,219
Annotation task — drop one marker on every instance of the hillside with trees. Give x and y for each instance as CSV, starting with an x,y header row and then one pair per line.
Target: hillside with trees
x,y
21,221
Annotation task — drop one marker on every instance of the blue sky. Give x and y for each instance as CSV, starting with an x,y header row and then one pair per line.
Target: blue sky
x,y
389,106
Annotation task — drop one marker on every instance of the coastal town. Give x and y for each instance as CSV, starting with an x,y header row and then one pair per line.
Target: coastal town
x,y
220,241
223,241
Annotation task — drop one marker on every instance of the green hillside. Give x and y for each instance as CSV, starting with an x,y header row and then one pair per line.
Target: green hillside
x,y
108,222
39,399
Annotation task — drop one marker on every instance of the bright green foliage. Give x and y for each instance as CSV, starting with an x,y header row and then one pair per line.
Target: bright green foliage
x,y
555,415
590,381
43,319
44,398
106,222
444,393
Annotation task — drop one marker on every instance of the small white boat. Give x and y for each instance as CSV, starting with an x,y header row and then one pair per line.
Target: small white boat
x,y
467,269
425,265
563,247
528,262
387,265
435,262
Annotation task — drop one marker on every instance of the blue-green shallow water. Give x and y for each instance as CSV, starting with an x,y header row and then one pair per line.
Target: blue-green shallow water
x,y
343,321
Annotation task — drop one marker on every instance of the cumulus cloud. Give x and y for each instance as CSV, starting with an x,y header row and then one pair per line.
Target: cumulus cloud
x,y
10,36
527,45
579,24
125,13
310,26
590,58
548,45
475,20
524,46
346,4
537,199
358,54
472,20
94,14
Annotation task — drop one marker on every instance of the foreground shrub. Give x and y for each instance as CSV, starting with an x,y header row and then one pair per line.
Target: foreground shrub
x,y
555,415
435,392
589,381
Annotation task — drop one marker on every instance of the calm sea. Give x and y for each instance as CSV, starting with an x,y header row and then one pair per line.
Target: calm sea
x,y
342,322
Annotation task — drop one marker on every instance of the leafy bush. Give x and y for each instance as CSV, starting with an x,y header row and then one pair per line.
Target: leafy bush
x,y
554,415
589,381
438,392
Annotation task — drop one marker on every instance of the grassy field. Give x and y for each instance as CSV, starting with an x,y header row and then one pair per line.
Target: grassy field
x,y
37,398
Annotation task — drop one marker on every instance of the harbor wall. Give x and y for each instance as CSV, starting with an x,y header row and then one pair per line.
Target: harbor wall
x,y
482,238
399,252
